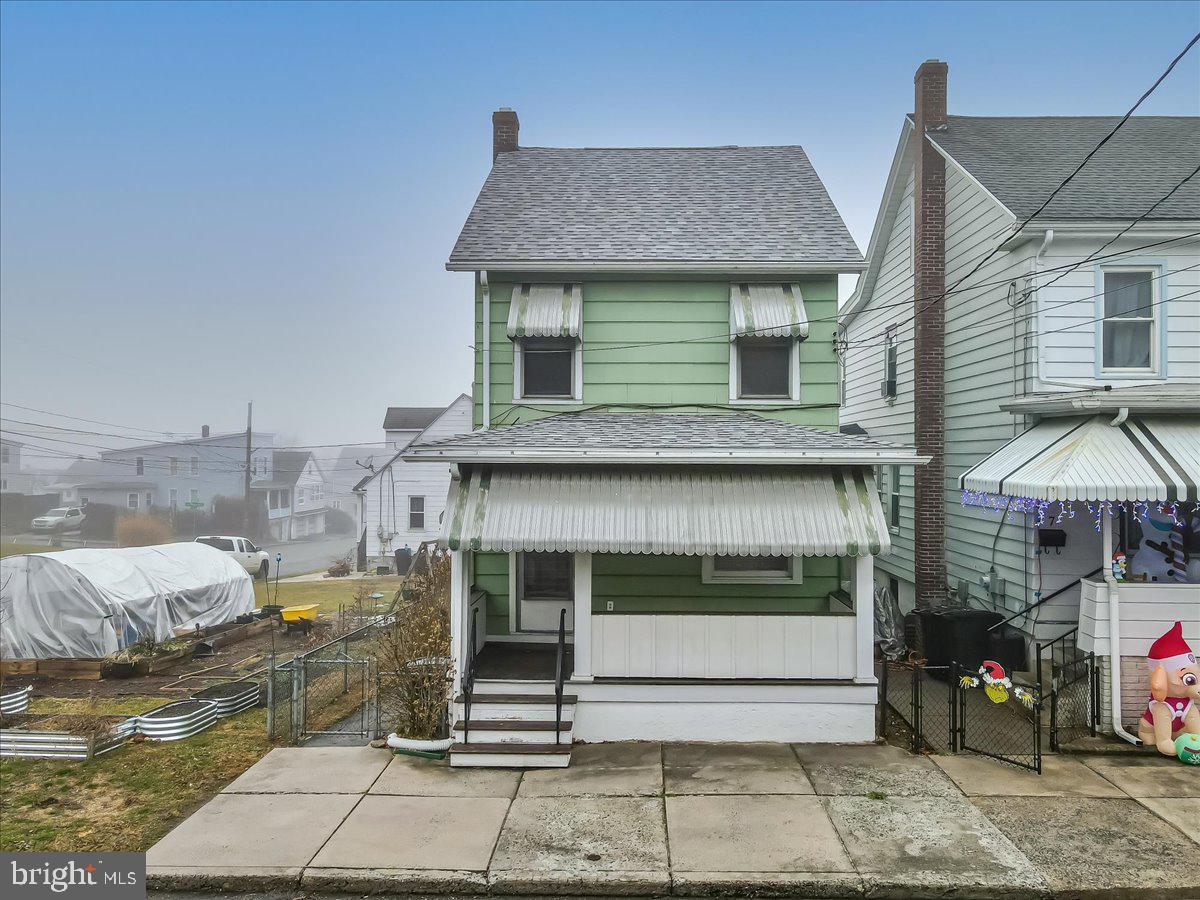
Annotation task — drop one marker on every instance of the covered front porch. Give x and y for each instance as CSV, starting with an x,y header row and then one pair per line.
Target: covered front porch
x,y
711,604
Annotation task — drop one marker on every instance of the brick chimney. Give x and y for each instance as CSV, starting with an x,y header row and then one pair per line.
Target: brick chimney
x,y
204,431
506,128
929,344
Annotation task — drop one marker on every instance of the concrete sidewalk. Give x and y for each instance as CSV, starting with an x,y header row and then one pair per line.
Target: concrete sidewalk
x,y
645,819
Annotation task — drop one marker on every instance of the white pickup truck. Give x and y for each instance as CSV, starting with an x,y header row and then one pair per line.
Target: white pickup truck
x,y
253,560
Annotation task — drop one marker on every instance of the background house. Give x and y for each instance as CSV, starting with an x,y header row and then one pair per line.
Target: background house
x,y
19,475
974,324
293,493
401,503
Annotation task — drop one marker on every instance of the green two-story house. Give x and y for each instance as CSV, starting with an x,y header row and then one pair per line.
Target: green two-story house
x,y
657,530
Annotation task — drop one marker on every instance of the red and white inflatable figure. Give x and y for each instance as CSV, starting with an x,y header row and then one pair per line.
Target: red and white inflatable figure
x,y
1174,692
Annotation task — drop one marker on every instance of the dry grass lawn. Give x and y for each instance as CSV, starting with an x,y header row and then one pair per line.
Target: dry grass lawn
x,y
128,798
330,593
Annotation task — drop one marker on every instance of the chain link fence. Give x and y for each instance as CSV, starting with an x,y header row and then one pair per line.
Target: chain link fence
x,y
917,708
1074,690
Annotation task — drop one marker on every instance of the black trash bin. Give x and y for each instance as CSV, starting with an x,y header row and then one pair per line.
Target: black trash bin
x,y
957,635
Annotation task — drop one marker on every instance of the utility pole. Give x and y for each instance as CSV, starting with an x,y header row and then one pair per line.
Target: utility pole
x,y
246,497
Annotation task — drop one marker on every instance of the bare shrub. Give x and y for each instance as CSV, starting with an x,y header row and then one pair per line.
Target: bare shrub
x,y
413,655
141,531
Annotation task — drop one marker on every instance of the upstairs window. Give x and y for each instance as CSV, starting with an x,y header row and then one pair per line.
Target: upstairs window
x,y
887,387
1129,330
548,367
173,463
139,466
764,368
195,465
416,513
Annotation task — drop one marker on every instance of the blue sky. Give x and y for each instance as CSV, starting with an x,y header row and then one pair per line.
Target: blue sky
x,y
206,204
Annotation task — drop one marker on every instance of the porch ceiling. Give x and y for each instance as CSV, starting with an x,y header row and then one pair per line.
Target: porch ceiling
x,y
817,511
1146,458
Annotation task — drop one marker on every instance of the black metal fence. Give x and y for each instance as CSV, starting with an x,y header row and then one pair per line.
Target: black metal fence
x,y
1074,695
917,707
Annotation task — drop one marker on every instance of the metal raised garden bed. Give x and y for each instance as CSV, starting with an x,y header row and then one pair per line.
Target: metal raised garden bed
x,y
178,720
231,698
33,743
15,701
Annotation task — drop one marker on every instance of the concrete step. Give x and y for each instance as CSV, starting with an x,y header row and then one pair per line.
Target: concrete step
x,y
511,731
511,756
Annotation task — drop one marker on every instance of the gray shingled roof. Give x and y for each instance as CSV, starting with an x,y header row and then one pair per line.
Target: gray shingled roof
x,y
597,432
1021,159
716,205
411,418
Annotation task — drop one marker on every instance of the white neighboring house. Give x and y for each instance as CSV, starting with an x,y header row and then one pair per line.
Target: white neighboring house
x,y
294,495
15,477
1072,373
401,503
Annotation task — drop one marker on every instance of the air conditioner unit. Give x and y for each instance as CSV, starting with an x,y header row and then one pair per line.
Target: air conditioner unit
x,y
887,387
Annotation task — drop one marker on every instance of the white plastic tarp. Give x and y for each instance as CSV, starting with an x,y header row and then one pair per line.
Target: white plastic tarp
x,y
93,602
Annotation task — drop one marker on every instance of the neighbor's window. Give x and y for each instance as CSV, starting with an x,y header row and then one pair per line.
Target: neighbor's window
x,y
195,465
893,497
750,568
194,496
764,368
173,461
4,457
1127,332
140,466
416,513
887,387
548,367
546,576
174,497
131,500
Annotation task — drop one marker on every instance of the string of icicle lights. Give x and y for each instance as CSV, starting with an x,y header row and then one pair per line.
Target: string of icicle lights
x,y
1055,511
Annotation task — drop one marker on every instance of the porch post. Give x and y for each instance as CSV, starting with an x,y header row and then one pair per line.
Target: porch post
x,y
459,590
864,619
583,618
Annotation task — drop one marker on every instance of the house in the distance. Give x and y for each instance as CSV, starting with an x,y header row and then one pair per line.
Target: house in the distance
x,y
401,503
293,495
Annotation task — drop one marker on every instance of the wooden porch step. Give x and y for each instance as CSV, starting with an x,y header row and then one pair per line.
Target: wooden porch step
x,y
511,725
514,699
523,749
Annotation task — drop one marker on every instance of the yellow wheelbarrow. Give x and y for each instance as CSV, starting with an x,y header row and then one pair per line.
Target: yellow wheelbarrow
x,y
302,617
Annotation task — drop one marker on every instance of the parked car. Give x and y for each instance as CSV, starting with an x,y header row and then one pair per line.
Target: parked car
x,y
253,560
59,519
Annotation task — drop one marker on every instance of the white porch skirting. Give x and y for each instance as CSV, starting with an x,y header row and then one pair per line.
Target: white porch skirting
x,y
841,713
716,646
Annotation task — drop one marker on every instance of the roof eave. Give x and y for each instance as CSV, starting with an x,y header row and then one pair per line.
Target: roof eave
x,y
747,267
672,456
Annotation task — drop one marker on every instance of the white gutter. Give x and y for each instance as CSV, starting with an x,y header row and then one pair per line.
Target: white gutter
x,y
1114,631
691,457
830,267
487,349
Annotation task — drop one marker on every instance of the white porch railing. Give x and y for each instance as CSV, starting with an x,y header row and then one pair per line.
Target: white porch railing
x,y
716,646
1147,610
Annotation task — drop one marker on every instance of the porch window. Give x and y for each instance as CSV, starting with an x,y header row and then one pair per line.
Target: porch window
x,y
546,576
764,368
1127,331
751,569
547,367
416,513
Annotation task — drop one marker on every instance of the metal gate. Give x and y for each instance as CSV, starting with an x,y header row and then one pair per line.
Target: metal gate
x,y
997,716
329,690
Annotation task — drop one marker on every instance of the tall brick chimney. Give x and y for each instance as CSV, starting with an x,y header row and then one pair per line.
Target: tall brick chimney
x,y
929,344
506,128
204,431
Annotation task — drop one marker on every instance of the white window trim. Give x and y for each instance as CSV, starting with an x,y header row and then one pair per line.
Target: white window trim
x,y
136,499
576,377
709,574
195,465
893,490
793,379
424,512
1153,370
891,349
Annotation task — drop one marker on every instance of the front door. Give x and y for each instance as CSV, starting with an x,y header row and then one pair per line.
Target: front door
x,y
545,586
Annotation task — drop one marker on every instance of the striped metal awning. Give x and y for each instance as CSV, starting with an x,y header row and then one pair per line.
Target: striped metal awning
x,y
767,310
807,511
546,310
1147,458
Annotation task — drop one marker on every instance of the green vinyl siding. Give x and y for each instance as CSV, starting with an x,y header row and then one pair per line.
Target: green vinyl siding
x,y
643,583
658,315
491,574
